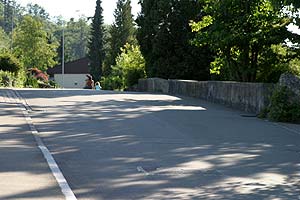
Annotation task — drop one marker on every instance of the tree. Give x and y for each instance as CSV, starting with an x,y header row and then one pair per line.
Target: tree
x,y
121,32
4,40
96,47
130,65
242,33
75,37
164,35
10,14
147,21
32,46
36,10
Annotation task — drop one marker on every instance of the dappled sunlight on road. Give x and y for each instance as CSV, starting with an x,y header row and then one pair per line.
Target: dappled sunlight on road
x,y
143,146
259,181
23,171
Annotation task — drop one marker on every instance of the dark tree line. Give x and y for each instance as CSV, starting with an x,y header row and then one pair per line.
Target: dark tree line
x,y
238,40
164,35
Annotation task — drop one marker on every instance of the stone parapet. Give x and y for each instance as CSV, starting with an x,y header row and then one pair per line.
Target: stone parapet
x,y
290,81
249,97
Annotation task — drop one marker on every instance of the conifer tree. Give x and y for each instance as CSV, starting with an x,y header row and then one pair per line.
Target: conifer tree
x,y
164,35
96,46
121,32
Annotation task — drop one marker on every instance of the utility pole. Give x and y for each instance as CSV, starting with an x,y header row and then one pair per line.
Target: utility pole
x,y
12,28
63,56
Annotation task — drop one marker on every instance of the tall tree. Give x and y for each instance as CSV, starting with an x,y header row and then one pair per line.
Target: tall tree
x,y
36,10
32,46
243,34
76,39
4,41
10,14
96,47
148,21
121,32
164,35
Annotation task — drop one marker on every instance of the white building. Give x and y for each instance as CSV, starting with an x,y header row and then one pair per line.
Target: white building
x,y
74,76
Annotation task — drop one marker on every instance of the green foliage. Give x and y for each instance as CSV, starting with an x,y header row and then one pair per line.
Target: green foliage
x,y
164,35
32,45
129,68
112,83
8,10
4,40
243,34
76,39
276,60
53,84
130,65
285,106
9,63
121,32
31,82
8,79
96,47
37,11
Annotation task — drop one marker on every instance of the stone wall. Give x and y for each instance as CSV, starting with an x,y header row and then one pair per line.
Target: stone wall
x,y
291,81
249,97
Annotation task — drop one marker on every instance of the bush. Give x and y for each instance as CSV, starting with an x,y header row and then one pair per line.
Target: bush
x,y
112,83
8,79
130,65
132,76
53,84
5,79
31,82
9,63
285,106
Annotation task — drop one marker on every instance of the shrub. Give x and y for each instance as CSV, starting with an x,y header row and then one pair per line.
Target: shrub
x,y
9,63
31,82
130,65
5,79
285,106
53,84
112,83
8,79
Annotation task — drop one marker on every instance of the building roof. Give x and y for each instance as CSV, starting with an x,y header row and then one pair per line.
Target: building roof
x,y
80,66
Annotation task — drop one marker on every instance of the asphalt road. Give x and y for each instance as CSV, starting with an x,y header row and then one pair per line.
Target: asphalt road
x,y
150,146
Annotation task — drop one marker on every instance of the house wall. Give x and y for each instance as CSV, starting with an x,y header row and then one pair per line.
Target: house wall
x,y
71,80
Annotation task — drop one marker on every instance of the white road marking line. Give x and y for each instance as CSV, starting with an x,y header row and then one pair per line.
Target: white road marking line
x,y
62,182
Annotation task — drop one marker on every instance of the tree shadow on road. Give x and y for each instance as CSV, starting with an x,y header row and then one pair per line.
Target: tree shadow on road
x,y
22,165
118,146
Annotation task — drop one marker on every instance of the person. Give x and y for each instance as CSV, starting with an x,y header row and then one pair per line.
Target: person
x,y
98,86
89,82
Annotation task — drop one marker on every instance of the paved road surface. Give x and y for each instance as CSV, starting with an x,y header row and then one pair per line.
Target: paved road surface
x,y
24,174
145,146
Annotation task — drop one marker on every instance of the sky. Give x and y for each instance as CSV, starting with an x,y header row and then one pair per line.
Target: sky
x,y
75,8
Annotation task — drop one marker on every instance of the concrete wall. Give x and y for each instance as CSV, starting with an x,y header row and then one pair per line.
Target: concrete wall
x,y
249,97
71,80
